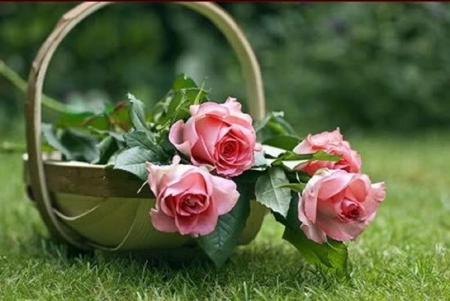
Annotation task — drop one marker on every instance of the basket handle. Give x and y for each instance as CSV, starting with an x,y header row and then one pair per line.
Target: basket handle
x,y
222,20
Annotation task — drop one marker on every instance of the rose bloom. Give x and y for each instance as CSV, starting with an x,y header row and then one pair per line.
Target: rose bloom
x,y
188,198
332,143
338,204
219,135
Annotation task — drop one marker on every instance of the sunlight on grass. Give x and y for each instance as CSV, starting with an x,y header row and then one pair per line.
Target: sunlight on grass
x,y
403,255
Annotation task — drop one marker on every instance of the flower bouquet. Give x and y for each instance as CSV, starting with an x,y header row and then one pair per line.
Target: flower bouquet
x,y
203,164
190,171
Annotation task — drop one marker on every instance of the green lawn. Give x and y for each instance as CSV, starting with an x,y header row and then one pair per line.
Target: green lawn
x,y
404,254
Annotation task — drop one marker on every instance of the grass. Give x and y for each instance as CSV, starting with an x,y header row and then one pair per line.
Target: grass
x,y
403,255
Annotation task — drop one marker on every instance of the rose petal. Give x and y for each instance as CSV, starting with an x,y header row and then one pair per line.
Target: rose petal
x,y
243,120
206,222
314,233
235,109
192,180
162,222
376,195
225,194
358,188
311,231
200,153
193,109
350,160
210,108
156,175
341,231
378,191
311,167
325,138
211,130
187,224
176,137
167,205
309,199
233,105
336,181
304,147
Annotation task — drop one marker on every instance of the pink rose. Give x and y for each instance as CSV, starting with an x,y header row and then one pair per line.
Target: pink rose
x,y
333,144
188,198
219,135
338,204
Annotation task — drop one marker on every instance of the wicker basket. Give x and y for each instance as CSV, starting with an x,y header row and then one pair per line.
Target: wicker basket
x,y
91,207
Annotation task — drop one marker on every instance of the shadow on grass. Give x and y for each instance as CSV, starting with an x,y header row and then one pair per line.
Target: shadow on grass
x,y
265,265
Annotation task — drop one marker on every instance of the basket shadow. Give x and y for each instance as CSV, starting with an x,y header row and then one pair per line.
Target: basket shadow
x,y
263,264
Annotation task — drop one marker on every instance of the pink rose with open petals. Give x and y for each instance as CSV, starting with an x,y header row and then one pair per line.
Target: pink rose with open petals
x,y
188,198
332,143
219,135
338,204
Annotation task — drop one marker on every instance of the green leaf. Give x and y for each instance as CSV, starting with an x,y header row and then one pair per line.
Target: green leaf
x,y
182,82
201,95
120,116
291,160
139,138
297,187
283,142
291,219
82,120
329,256
179,107
324,156
220,244
52,139
196,95
137,113
133,160
273,125
175,110
146,141
112,116
175,105
263,123
190,89
81,147
283,125
167,147
319,155
287,155
107,147
268,193
74,145
117,136
108,109
302,176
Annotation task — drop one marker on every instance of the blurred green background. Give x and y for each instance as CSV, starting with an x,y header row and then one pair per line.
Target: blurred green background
x,y
362,66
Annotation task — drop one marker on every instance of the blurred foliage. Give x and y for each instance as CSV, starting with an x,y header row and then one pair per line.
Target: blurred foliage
x,y
378,66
